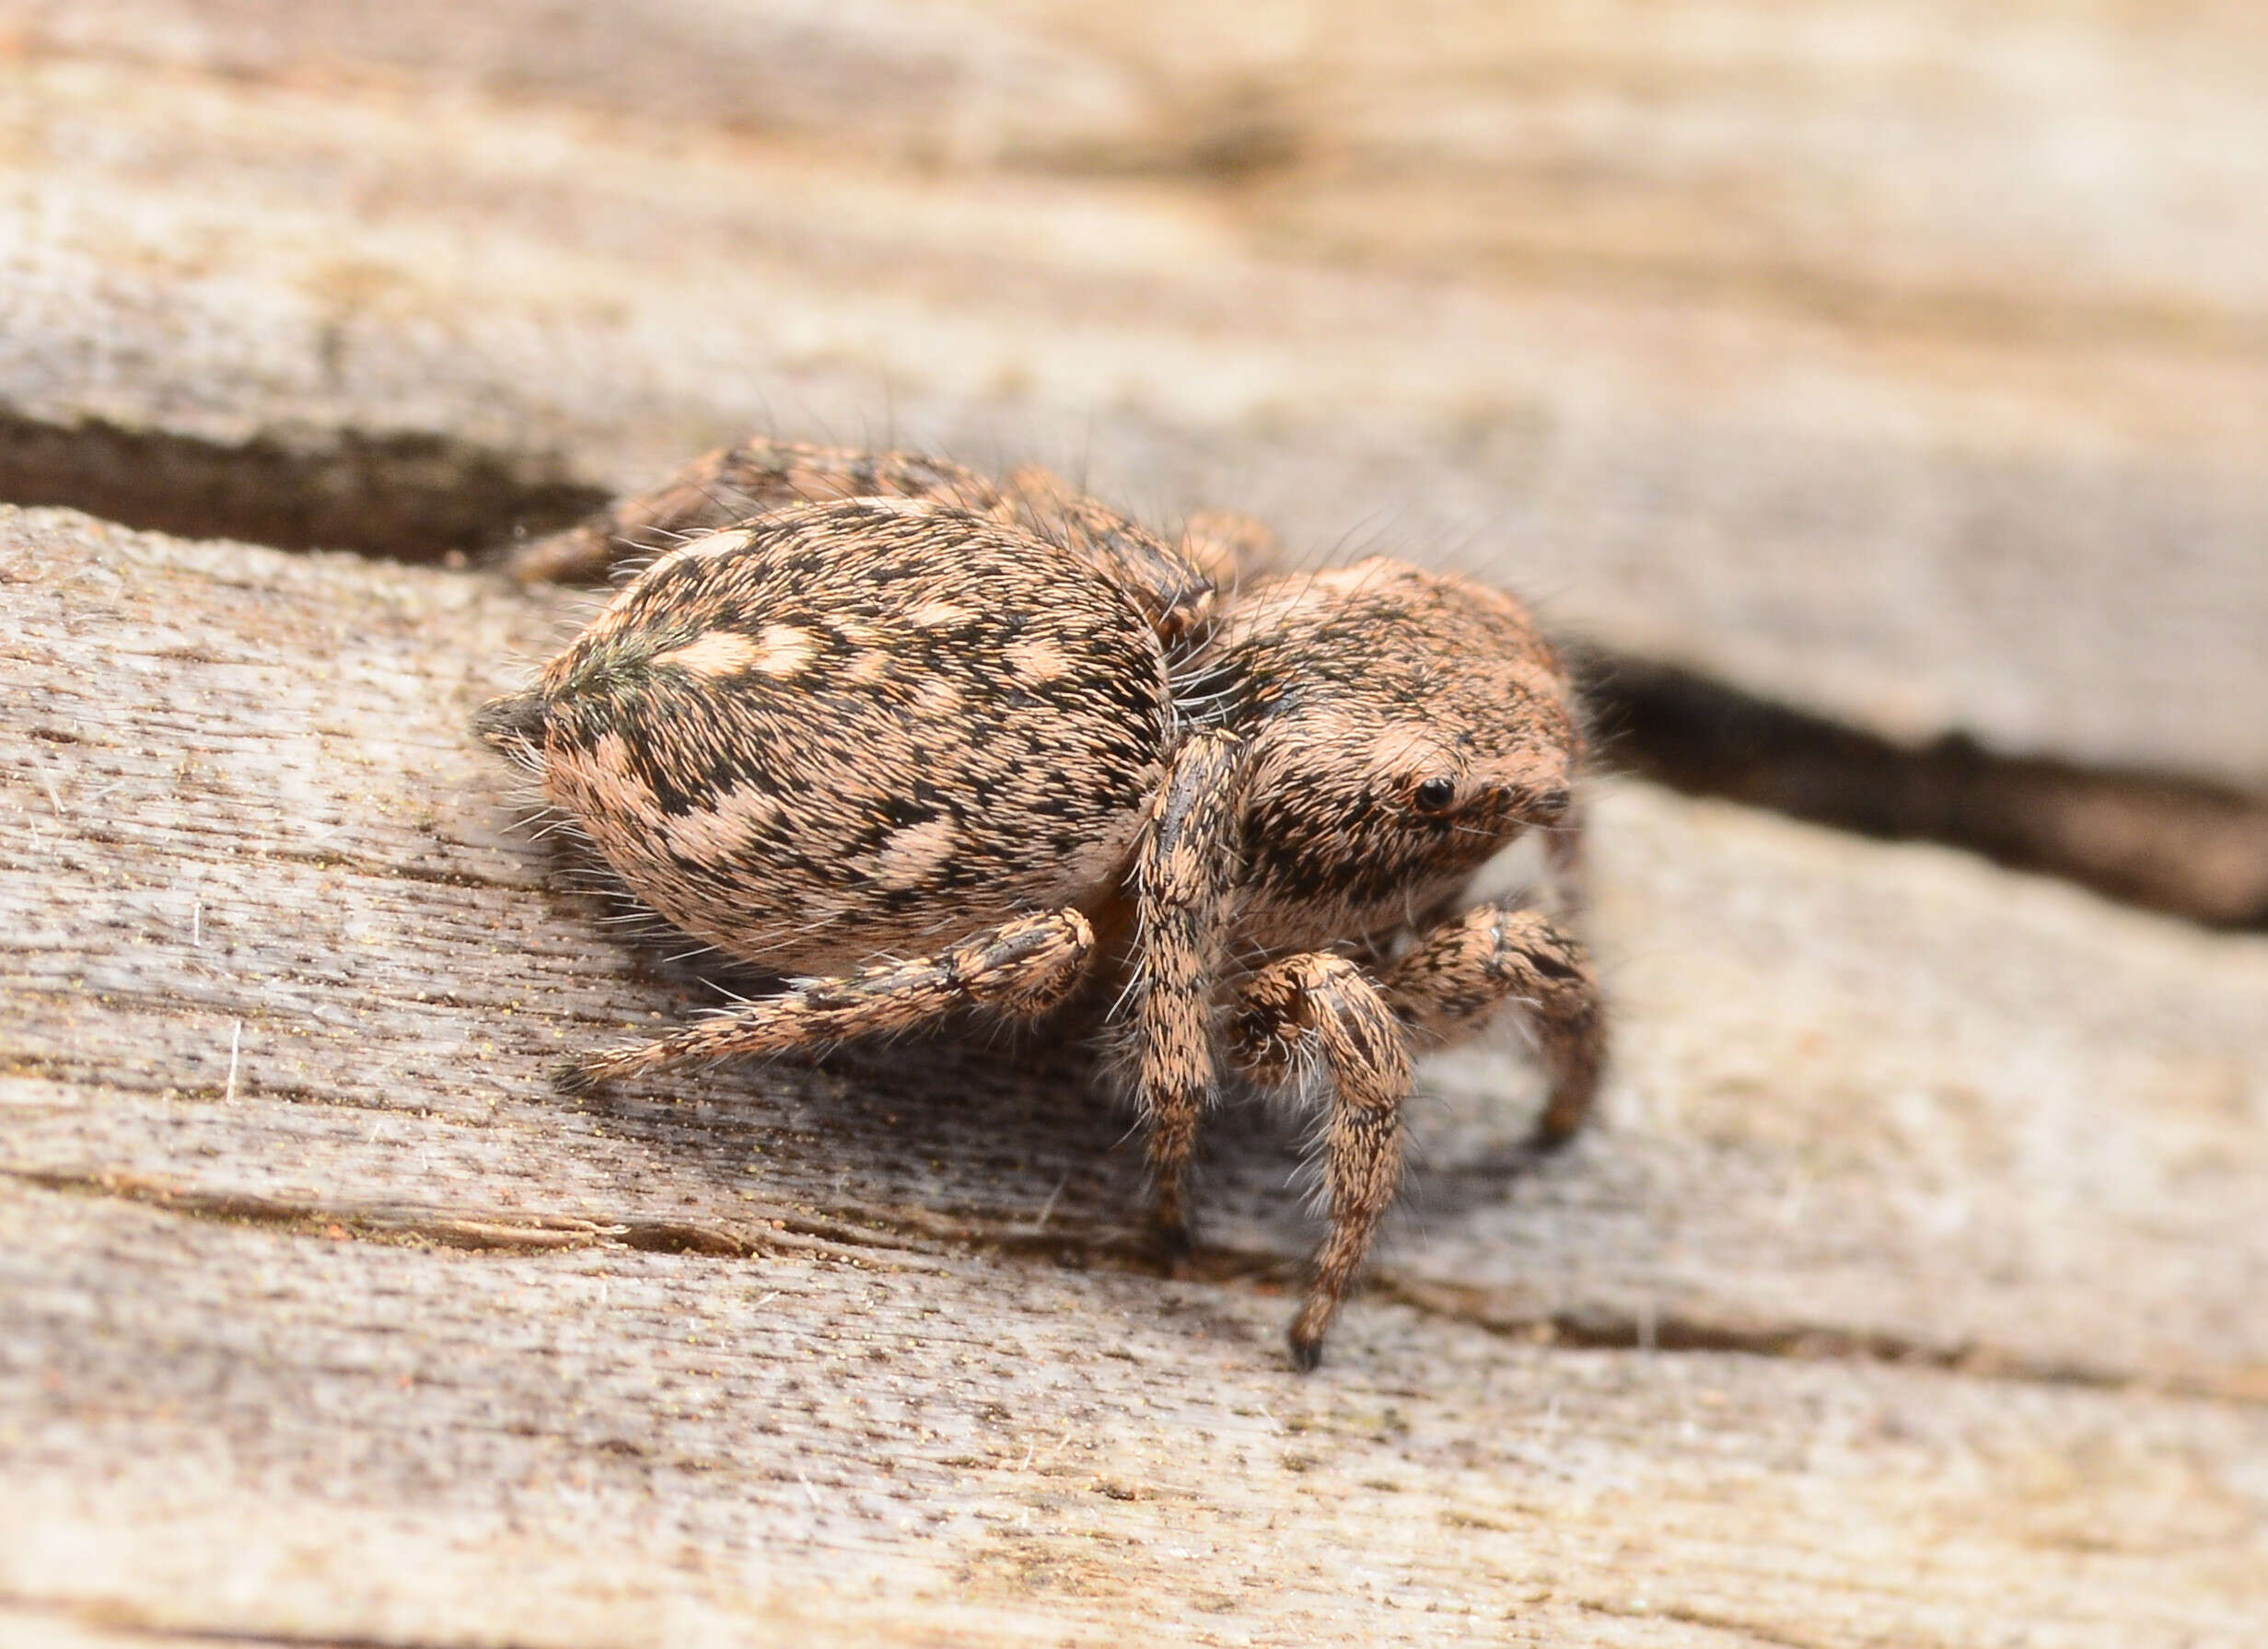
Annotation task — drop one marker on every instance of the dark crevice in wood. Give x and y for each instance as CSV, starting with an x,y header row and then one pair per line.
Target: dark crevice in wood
x,y
413,495
496,1231
1599,1329
401,872
895,1238
2169,843
2163,841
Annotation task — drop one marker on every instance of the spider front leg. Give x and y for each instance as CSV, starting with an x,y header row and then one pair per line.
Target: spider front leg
x,y
1184,878
1322,1004
1021,967
1463,971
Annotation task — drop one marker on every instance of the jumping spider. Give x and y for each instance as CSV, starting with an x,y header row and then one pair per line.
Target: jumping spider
x,y
918,742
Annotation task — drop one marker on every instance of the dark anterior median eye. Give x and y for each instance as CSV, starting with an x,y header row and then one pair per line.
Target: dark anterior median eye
x,y
1435,795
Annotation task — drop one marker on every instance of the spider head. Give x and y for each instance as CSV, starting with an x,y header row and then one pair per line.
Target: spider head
x,y
1404,726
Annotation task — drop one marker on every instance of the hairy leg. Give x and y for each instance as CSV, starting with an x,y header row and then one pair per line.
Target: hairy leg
x,y
1021,967
1183,876
1325,1006
1165,583
1229,547
727,486
1459,974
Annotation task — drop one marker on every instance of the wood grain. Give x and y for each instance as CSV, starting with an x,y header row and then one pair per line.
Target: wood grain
x,y
1905,362
1910,1287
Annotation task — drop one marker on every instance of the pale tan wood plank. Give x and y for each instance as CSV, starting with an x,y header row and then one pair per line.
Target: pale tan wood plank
x,y
1901,362
220,1427
1874,1096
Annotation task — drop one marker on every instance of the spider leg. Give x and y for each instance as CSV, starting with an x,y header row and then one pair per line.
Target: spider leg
x,y
1454,980
727,486
1184,876
1229,546
1021,967
1325,1003
1167,584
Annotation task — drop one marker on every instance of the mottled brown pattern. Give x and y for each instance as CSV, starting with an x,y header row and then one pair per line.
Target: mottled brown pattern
x,y
914,745
1452,981
1173,585
807,812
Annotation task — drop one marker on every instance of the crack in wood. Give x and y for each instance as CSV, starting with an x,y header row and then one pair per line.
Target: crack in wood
x,y
404,873
768,1229
412,495
1601,1328
902,1234
2161,841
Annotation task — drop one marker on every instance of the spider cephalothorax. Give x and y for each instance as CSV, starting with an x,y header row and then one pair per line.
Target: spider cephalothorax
x,y
969,726
1401,727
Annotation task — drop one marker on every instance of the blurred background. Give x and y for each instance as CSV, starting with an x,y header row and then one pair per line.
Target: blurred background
x,y
1877,387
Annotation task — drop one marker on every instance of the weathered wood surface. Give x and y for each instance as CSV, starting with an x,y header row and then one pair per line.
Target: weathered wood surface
x,y
1910,1293
1908,361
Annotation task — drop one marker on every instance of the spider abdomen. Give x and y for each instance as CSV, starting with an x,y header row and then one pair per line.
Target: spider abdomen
x,y
818,738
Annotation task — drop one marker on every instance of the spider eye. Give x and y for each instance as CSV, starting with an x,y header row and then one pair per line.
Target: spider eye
x,y
1435,795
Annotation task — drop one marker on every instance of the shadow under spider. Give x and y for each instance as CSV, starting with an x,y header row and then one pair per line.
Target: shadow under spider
x,y
1011,1136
